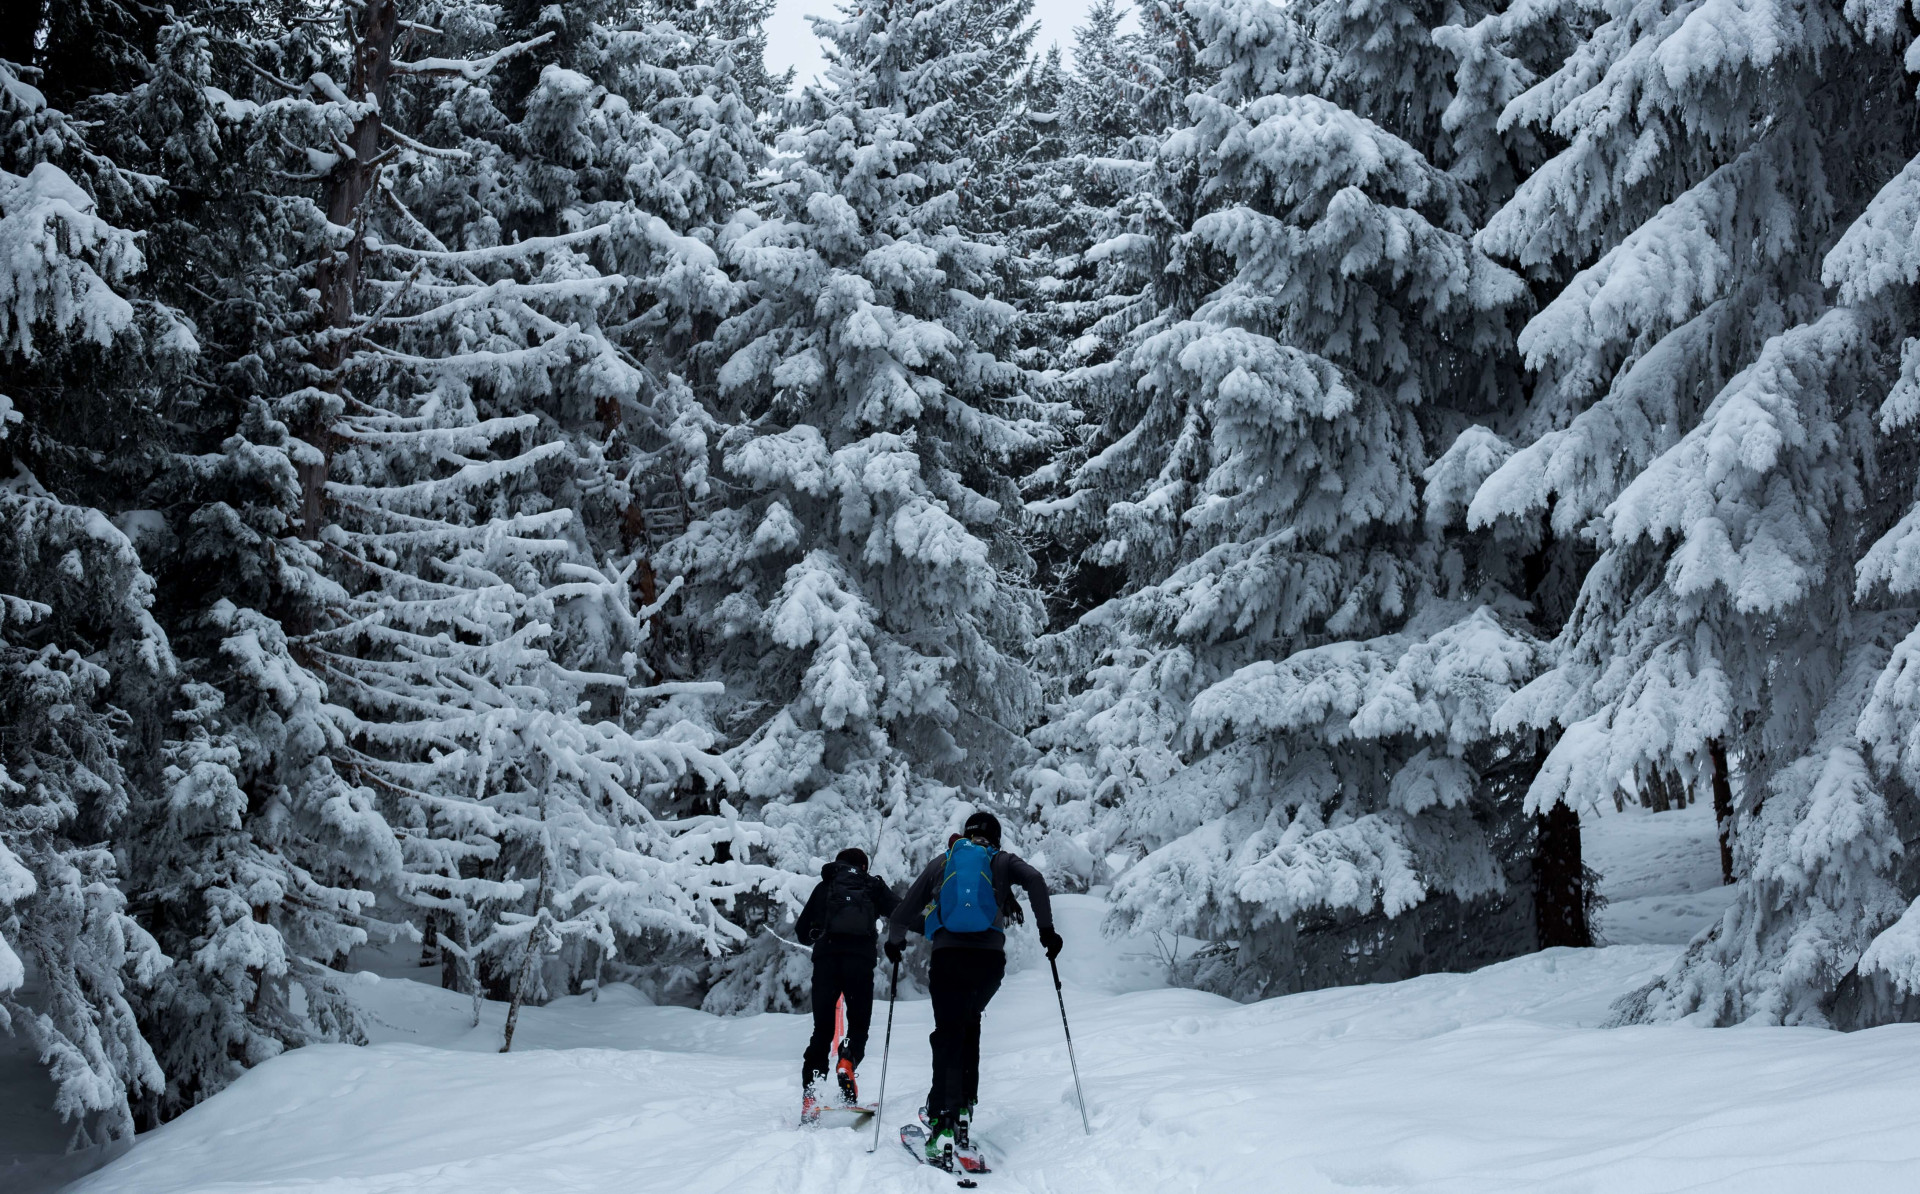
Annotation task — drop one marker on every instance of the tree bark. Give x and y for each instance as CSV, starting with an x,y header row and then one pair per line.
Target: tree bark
x,y
457,969
344,194
1723,807
1559,880
1655,794
521,979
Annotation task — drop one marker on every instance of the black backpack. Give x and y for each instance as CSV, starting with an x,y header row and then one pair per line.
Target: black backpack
x,y
850,909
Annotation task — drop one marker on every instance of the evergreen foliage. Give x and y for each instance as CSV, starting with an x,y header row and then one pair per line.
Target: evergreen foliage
x,y
1287,720
1710,412
863,594
79,646
520,480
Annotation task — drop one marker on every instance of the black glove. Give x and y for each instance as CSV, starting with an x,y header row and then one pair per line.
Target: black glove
x,y
1051,940
894,951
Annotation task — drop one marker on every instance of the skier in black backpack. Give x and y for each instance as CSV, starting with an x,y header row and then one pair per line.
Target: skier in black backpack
x,y
840,923
962,902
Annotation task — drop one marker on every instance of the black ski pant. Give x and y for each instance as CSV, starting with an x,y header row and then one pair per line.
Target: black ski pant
x,y
836,975
961,982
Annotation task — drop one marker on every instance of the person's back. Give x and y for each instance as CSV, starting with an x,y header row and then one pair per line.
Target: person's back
x,y
968,962
839,921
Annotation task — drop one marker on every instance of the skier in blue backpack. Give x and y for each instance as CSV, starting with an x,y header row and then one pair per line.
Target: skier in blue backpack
x,y
962,902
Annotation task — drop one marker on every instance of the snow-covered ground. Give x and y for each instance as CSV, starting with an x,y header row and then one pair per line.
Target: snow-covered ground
x,y
1660,873
1494,1081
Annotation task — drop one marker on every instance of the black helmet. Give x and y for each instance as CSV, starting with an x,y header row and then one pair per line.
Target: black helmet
x,y
984,826
853,856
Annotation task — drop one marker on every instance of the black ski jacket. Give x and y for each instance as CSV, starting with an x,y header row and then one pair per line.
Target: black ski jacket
x,y
1007,869
811,927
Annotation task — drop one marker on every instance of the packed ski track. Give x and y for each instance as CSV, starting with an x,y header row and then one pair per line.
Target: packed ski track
x,y
1493,1081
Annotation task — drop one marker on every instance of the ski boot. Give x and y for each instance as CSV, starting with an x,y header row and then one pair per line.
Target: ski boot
x,y
849,1090
926,1117
939,1146
967,1156
941,1143
810,1106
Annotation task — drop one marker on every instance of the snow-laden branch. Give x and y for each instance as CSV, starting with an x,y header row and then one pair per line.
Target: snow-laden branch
x,y
470,69
493,253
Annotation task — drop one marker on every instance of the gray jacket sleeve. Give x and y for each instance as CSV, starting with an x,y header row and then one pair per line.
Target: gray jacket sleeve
x,y
906,914
1018,871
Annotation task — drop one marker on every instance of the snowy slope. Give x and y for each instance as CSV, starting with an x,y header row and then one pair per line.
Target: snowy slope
x,y
1474,1083
1660,873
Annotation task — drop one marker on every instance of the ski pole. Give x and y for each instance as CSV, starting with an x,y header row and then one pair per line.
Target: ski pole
x,y
1078,1091
880,1104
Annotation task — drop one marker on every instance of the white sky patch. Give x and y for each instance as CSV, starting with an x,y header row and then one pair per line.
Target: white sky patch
x,y
790,39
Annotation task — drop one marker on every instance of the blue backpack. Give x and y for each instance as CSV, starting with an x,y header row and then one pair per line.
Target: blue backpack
x,y
966,902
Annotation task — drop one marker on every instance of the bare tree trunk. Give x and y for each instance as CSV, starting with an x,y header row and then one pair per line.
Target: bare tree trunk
x,y
345,193
1722,807
1657,795
457,971
1559,880
262,914
525,975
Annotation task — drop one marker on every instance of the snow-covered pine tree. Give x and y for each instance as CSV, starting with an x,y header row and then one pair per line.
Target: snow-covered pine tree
x,y
650,127
1060,202
1041,219
1705,412
1113,278
484,658
732,29
78,643
1094,149
243,855
988,80
1495,59
1140,250
688,87
863,594
1286,740
1136,279
1102,107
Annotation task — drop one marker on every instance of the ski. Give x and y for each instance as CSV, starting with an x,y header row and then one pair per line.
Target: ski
x,y
966,1162
837,1115
853,1114
913,1138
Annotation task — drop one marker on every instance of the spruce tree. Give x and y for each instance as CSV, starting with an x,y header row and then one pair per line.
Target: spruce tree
x,y
1111,285
863,594
79,646
1705,413
1287,730
489,662
1496,58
